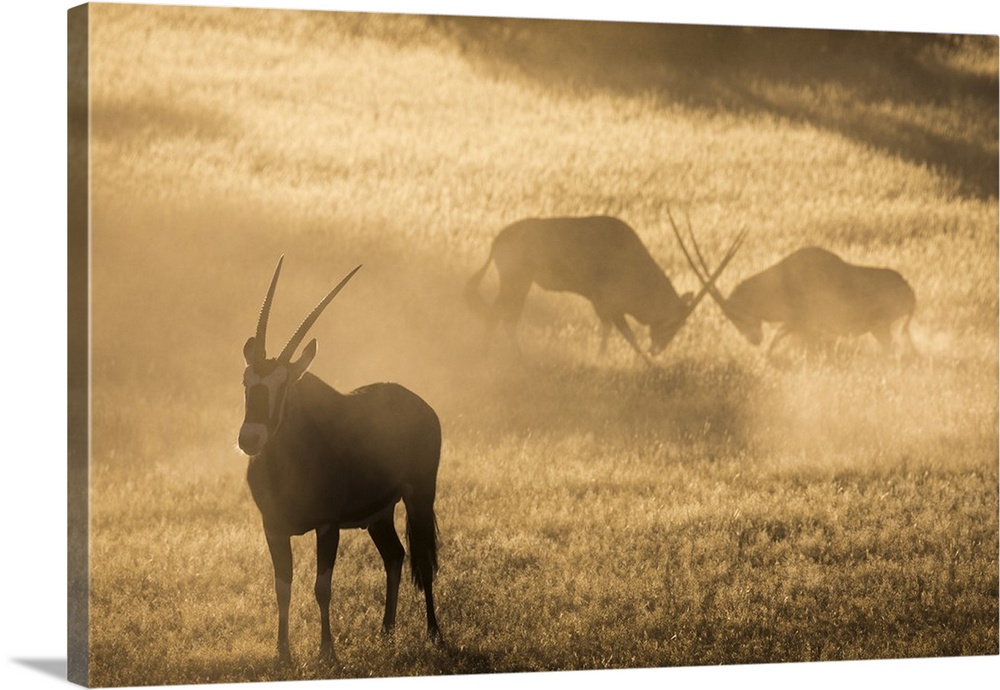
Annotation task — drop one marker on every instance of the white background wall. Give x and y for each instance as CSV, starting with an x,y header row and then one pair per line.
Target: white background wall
x,y
33,331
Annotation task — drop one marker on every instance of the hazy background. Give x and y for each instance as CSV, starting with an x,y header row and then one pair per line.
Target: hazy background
x,y
179,318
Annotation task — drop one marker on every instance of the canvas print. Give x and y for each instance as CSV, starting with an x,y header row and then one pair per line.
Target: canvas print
x,y
410,345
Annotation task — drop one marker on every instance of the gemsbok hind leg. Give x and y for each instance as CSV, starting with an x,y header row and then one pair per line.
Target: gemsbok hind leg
x,y
906,339
383,533
508,306
280,546
883,334
327,541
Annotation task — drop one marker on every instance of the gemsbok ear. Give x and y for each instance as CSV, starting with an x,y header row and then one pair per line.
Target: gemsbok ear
x,y
249,349
299,366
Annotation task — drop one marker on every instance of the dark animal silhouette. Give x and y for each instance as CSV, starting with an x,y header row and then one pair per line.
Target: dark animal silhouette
x,y
815,294
323,461
598,257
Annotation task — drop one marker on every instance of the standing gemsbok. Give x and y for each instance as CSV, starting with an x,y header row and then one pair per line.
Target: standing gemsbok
x,y
814,294
324,461
598,257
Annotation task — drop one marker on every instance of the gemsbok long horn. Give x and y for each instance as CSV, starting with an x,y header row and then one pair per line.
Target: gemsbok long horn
x,y
694,243
701,258
300,333
709,285
707,281
265,310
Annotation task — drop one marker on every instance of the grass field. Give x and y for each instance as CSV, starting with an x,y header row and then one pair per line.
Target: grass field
x,y
594,513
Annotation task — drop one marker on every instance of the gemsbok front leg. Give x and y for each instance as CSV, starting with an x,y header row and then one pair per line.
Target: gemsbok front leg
x,y
783,332
327,541
280,546
622,325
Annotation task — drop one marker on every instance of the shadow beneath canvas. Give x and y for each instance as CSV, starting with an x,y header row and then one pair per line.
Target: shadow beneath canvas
x,y
50,667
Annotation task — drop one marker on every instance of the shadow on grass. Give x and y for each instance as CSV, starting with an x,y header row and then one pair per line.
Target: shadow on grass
x,y
687,400
884,85
462,661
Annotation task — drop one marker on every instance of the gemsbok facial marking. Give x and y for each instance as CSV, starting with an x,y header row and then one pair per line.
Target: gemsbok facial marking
x,y
813,293
323,461
598,257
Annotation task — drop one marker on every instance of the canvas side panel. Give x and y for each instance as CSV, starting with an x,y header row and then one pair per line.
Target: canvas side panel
x,y
78,393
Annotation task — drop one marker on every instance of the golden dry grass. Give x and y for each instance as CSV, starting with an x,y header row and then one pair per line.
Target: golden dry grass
x,y
593,513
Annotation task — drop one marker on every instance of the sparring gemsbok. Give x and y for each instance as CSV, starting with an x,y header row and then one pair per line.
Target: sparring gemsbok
x,y
323,461
814,294
598,257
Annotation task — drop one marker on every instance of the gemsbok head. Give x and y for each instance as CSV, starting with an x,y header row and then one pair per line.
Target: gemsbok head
x,y
323,461
814,294
598,257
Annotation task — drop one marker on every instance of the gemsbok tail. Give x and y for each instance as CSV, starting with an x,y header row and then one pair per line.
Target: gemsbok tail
x,y
421,540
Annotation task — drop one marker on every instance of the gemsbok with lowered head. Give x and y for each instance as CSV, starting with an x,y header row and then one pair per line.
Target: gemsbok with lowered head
x,y
324,461
598,257
814,294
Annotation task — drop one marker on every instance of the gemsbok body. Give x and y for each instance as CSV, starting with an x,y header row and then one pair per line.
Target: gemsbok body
x,y
814,294
324,461
598,257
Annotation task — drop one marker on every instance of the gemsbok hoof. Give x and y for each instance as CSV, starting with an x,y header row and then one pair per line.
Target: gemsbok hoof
x,y
327,655
284,658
